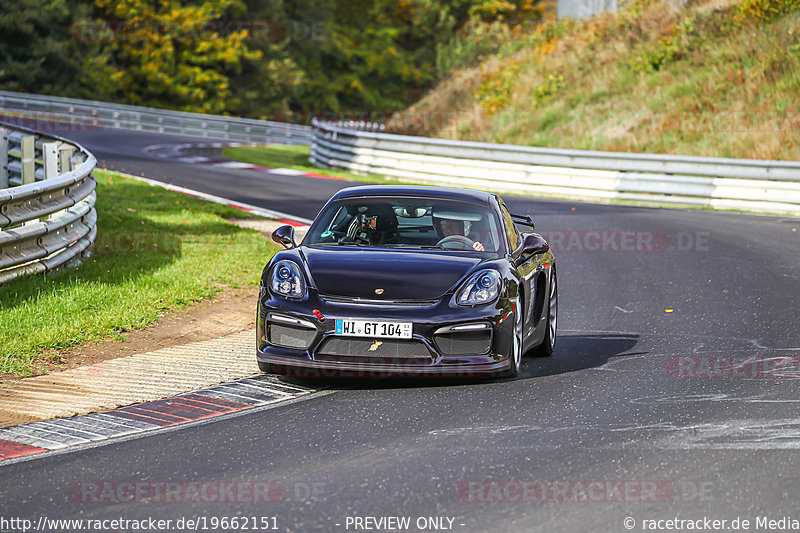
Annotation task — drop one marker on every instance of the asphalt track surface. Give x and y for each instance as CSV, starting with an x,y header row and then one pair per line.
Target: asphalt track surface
x,y
624,421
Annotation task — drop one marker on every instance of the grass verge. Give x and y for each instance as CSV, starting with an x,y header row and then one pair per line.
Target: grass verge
x,y
715,78
157,251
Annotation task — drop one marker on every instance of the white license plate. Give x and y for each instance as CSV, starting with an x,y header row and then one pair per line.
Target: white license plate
x,y
373,328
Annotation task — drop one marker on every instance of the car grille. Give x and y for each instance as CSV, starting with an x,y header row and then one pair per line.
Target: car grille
x,y
290,336
365,301
464,343
384,351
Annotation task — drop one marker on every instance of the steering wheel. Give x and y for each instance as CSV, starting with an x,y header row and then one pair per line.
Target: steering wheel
x,y
456,242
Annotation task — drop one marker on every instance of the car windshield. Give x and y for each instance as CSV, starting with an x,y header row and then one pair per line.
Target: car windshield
x,y
402,222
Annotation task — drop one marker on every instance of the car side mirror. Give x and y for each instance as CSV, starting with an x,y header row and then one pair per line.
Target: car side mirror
x,y
284,236
533,244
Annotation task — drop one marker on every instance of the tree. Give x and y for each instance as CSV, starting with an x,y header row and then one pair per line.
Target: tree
x,y
168,53
40,53
260,58
265,85
368,55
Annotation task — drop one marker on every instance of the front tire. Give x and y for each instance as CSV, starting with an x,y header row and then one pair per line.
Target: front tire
x,y
551,329
516,349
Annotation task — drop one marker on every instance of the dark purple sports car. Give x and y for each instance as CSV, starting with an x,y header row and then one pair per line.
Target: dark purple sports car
x,y
408,280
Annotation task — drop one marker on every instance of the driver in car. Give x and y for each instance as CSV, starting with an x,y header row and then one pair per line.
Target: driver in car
x,y
450,226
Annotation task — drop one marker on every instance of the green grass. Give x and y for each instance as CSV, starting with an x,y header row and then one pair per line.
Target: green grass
x,y
275,156
156,252
715,78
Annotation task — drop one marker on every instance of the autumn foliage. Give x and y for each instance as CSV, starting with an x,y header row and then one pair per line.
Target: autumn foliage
x,y
265,59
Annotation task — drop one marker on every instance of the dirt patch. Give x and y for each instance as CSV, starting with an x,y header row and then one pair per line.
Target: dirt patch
x,y
11,418
232,310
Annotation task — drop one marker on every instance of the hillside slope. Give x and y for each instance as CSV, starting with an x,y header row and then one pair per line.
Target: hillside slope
x,y
713,78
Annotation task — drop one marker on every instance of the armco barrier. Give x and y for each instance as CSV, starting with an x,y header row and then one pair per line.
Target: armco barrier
x,y
93,114
47,197
719,183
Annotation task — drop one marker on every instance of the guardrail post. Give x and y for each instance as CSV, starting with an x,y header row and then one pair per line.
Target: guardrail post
x,y
52,223
50,158
3,158
28,148
65,159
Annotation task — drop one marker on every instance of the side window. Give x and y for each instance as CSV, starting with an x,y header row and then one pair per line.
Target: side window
x,y
341,220
511,229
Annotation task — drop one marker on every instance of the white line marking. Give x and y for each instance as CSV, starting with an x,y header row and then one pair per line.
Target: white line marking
x,y
287,171
755,343
124,422
23,438
167,429
232,164
267,389
89,435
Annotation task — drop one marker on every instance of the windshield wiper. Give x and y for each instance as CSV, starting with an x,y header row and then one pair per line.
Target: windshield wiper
x,y
417,246
337,243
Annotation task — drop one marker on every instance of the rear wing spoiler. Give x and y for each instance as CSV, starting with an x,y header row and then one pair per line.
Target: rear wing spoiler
x,y
524,220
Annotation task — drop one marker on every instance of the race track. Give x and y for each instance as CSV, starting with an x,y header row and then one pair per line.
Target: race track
x,y
631,418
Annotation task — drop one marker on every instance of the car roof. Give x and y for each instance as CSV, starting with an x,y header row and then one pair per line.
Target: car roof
x,y
415,190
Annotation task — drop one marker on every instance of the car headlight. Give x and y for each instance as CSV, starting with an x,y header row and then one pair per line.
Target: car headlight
x,y
287,280
481,288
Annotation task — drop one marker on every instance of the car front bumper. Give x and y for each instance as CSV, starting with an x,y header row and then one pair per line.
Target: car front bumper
x,y
423,354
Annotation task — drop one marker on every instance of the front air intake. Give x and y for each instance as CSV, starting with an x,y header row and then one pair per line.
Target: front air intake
x,y
289,332
464,340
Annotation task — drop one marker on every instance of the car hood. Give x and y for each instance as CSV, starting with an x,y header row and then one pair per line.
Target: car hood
x,y
402,274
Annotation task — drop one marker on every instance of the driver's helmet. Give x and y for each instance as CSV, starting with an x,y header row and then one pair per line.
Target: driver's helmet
x,y
442,217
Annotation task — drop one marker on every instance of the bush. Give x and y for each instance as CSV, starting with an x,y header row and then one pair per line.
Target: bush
x,y
495,89
764,10
476,41
667,49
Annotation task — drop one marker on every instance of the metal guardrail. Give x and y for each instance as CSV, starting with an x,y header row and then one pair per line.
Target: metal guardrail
x,y
719,183
47,197
584,9
93,114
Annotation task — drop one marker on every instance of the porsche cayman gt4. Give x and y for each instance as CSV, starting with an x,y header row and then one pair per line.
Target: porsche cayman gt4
x,y
408,280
